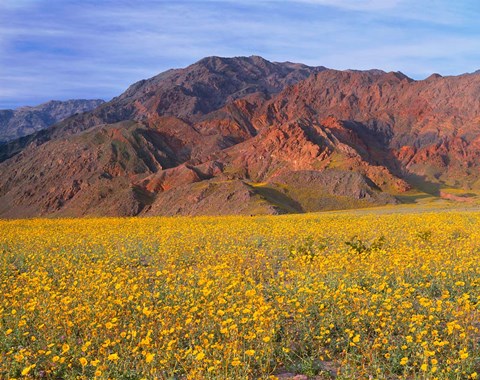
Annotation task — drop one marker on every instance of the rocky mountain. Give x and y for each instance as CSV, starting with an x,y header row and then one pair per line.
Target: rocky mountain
x,y
245,135
184,95
24,121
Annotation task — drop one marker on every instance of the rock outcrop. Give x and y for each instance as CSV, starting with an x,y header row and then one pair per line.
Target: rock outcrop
x,y
27,120
244,135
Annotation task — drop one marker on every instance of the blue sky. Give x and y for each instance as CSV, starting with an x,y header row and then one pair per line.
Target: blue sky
x,y
65,49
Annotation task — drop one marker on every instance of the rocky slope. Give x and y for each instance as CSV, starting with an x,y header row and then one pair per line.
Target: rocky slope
x,y
24,121
244,135
428,128
183,96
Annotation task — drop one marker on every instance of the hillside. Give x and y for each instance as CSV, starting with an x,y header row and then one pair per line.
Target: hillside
x,y
24,121
245,135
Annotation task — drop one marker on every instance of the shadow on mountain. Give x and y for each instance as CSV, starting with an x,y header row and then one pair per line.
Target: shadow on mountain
x,y
278,199
423,184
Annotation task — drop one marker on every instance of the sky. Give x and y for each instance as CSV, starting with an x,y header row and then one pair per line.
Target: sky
x,y
88,49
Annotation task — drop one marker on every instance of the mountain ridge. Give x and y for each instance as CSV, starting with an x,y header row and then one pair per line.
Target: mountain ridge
x,y
26,120
245,129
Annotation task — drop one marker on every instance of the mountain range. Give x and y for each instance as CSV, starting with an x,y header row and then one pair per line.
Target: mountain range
x,y
245,135
24,121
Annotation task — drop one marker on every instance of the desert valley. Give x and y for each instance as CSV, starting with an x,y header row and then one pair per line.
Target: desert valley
x,y
302,203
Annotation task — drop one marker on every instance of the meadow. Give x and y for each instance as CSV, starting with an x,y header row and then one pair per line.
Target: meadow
x,y
352,295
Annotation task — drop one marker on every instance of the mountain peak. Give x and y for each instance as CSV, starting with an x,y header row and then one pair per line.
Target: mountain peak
x,y
372,72
433,77
398,75
244,134
29,119
212,61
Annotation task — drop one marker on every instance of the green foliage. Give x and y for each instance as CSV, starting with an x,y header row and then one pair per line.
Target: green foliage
x,y
307,249
361,247
307,366
424,235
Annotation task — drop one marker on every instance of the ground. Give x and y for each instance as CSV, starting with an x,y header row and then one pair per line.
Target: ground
x,y
384,293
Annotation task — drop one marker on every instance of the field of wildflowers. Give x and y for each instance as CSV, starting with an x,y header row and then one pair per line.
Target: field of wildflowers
x,y
352,295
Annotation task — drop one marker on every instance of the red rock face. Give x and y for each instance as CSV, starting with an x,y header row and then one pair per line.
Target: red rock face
x,y
222,125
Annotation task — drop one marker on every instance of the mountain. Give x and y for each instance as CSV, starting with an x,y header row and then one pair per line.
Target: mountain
x,y
26,120
185,95
428,129
245,135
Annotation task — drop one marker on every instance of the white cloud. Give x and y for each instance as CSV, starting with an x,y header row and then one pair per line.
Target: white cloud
x,y
357,5
97,49
17,4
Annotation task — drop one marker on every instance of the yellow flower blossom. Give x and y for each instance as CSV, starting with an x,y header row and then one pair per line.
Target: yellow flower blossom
x,y
235,297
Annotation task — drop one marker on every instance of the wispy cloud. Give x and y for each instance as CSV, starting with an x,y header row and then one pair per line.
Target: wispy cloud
x,y
358,5
66,49
16,4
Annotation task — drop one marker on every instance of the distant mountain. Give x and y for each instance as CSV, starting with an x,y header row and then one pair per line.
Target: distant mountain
x,y
245,135
27,120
